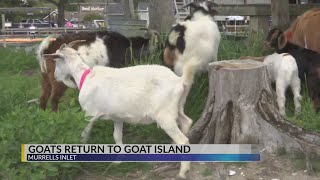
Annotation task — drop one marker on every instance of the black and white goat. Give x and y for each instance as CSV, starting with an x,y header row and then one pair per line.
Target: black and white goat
x,y
195,39
308,62
138,95
103,48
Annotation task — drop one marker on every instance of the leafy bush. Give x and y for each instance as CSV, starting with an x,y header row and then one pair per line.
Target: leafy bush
x,y
89,17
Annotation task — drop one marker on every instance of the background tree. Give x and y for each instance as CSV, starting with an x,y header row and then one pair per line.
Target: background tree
x,y
11,3
61,6
161,15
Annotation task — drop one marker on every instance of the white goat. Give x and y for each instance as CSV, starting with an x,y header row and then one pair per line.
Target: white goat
x,y
138,95
195,39
283,70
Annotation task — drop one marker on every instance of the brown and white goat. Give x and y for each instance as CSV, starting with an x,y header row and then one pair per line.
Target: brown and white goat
x,y
103,48
305,30
308,62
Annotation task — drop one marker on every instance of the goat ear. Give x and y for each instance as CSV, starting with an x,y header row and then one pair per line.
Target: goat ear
x,y
282,41
54,56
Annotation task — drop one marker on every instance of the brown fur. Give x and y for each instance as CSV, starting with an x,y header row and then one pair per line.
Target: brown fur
x,y
307,27
51,88
170,57
282,41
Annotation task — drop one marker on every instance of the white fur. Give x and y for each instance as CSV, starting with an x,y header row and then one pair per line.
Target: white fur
x,y
283,70
94,54
202,39
138,95
43,45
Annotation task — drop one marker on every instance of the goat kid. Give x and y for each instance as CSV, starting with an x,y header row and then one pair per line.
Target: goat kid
x,y
100,48
308,62
196,39
138,95
283,70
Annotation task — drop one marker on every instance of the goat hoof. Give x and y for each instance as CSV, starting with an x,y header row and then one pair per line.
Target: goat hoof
x,y
182,176
84,139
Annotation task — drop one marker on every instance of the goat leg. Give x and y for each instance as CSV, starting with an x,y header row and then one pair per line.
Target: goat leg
x,y
87,130
117,135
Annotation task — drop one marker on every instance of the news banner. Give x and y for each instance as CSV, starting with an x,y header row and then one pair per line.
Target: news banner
x,y
139,153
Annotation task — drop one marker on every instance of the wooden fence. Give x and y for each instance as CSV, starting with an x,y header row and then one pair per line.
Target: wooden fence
x,y
127,27
260,13
259,21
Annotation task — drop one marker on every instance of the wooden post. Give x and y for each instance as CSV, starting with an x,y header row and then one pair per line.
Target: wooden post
x,y
3,20
131,7
259,24
280,14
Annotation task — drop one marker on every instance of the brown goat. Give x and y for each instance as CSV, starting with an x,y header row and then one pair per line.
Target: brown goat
x,y
305,30
103,48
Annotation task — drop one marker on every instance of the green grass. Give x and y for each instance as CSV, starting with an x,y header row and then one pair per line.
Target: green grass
x,y
23,123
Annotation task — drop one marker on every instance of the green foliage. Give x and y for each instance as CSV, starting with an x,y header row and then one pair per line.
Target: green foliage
x,y
11,3
23,123
89,17
17,19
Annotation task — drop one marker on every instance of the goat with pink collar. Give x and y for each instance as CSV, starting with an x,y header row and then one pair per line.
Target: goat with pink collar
x,y
142,94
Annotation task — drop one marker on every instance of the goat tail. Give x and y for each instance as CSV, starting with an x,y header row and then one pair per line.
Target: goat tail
x,y
189,70
43,45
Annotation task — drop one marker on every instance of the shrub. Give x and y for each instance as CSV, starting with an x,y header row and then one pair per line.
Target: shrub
x,y
89,17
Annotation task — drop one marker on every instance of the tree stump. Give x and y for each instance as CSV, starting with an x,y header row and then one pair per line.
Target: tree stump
x,y
241,109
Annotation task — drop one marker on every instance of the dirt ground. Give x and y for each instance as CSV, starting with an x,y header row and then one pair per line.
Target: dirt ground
x,y
271,167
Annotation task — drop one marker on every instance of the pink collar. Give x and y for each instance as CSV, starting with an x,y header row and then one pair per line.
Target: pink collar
x,y
83,77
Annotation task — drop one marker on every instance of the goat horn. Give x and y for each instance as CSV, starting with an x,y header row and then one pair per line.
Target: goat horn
x,y
63,46
71,44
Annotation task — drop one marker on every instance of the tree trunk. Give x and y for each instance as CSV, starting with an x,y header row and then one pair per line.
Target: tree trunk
x,y
161,14
280,14
241,109
61,19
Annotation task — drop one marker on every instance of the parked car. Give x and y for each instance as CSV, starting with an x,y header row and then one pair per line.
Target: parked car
x,y
99,24
25,23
